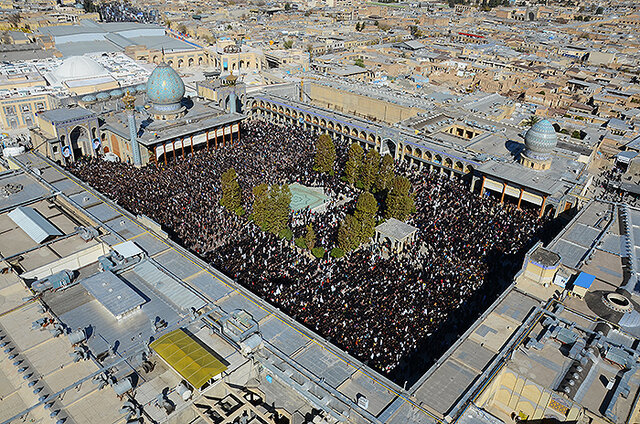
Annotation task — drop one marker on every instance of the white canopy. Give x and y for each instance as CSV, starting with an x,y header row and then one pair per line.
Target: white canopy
x,y
127,249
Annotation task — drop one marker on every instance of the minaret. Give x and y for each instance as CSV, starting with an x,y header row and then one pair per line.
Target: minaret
x,y
231,81
129,105
232,102
301,90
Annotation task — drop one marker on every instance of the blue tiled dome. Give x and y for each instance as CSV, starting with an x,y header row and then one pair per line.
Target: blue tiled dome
x,y
540,139
165,87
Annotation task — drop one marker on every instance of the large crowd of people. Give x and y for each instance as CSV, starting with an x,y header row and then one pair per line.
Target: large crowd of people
x,y
117,11
377,305
609,186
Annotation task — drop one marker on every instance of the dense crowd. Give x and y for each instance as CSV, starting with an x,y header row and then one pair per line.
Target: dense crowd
x,y
116,11
608,187
376,304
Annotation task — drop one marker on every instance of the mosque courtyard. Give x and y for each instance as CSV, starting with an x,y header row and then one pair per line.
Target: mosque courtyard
x,y
395,312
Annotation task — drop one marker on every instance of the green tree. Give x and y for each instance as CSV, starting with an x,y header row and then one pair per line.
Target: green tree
x,y
286,234
599,10
399,203
325,154
415,31
318,252
280,197
370,169
354,163
348,234
359,62
365,215
271,207
261,205
287,44
310,237
231,193
531,121
287,6
359,227
385,174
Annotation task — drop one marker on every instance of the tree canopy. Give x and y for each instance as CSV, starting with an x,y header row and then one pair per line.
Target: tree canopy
x,y
325,154
360,227
271,207
399,203
310,237
354,163
365,214
385,174
370,169
348,234
231,193
530,121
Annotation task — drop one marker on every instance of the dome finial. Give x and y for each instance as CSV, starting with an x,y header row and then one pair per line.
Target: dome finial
x,y
129,101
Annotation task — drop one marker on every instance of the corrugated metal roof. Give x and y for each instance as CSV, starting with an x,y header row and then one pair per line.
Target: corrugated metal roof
x,y
113,293
35,225
168,287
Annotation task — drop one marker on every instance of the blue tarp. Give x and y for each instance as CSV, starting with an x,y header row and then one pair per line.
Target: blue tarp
x,y
584,280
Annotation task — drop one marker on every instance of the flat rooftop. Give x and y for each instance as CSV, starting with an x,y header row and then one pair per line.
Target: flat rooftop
x,y
550,366
442,388
200,116
112,293
48,363
173,283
